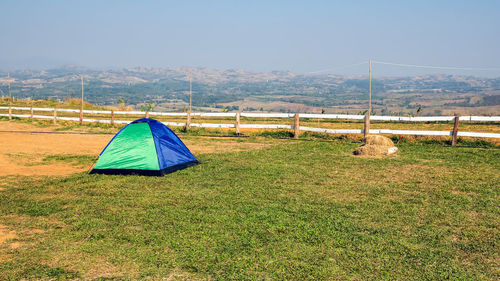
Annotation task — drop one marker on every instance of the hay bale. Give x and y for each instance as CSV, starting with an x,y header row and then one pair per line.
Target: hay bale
x,y
378,140
371,150
376,145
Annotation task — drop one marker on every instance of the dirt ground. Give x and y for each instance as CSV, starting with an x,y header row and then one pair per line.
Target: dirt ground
x,y
18,150
22,152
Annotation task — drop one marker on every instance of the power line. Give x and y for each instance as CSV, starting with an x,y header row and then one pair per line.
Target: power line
x,y
436,67
338,67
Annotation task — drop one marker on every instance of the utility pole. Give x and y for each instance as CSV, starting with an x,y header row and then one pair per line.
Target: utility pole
x,y
8,83
370,88
188,120
10,96
190,88
81,109
367,116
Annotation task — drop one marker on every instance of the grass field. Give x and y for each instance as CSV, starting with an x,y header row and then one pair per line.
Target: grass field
x,y
290,210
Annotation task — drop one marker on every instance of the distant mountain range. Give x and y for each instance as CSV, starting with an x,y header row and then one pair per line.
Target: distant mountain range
x,y
267,91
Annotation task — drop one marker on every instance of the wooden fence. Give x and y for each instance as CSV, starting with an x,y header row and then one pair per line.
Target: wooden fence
x,y
237,125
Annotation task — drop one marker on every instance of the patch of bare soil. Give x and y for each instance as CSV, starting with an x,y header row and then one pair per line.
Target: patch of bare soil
x,y
21,153
6,234
38,145
15,245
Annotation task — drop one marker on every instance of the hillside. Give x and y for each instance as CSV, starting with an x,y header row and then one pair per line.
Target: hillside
x,y
278,91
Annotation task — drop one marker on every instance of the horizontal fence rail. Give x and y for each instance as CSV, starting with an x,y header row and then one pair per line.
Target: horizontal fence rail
x,y
272,115
237,125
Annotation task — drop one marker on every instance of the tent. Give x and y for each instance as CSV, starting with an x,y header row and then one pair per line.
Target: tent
x,y
144,147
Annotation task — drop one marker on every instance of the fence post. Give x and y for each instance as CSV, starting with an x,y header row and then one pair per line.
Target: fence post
x,y
455,131
81,117
10,112
147,114
366,131
31,113
112,117
237,125
188,120
296,127
55,116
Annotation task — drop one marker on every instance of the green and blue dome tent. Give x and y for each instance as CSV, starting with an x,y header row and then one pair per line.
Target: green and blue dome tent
x,y
144,147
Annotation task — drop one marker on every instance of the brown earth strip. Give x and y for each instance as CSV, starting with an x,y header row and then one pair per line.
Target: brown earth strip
x,y
23,153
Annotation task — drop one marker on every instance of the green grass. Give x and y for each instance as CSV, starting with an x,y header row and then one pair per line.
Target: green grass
x,y
74,160
294,211
36,122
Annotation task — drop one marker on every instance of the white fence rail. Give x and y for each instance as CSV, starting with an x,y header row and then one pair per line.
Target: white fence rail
x,y
273,115
237,125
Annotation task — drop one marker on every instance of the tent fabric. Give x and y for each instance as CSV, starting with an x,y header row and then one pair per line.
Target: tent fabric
x,y
170,149
144,147
135,148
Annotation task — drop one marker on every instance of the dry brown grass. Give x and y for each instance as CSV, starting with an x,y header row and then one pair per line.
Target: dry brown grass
x,y
72,102
222,145
6,234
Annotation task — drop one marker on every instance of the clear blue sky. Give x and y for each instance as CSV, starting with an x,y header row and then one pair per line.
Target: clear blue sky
x,y
300,36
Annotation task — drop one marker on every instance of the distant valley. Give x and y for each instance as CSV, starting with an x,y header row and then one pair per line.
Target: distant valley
x,y
278,91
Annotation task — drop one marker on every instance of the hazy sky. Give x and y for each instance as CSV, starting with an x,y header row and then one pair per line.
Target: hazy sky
x,y
300,36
